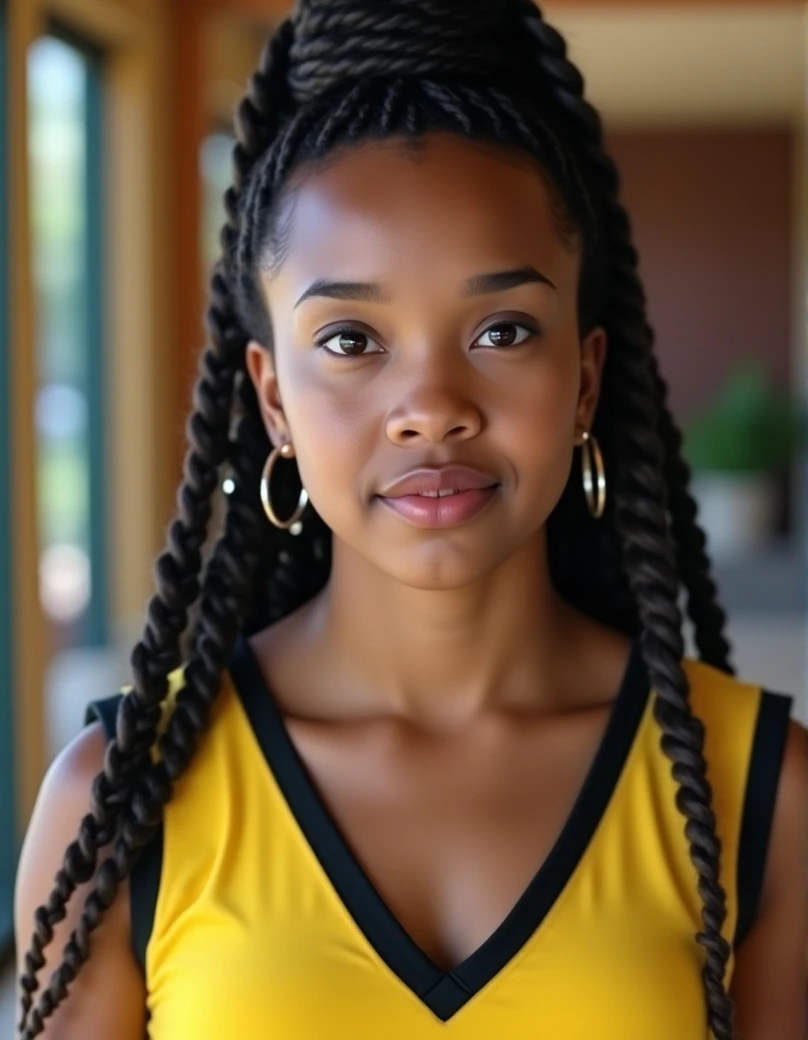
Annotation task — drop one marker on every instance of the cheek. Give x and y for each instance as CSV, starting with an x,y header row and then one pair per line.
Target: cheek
x,y
333,432
537,414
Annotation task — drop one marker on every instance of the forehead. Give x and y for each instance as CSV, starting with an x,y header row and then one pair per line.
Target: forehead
x,y
386,209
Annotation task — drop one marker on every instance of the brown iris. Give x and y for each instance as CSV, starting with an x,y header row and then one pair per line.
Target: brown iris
x,y
353,342
502,335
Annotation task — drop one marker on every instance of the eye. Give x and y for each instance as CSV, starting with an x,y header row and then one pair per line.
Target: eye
x,y
348,342
505,334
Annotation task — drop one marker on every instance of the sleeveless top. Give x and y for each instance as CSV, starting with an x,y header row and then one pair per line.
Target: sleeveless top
x,y
252,916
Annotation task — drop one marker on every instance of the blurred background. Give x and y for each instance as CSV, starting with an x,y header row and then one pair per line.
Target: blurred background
x,y
115,131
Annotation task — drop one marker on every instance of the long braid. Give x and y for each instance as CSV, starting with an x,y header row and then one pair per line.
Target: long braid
x,y
708,617
176,575
641,516
353,69
228,574
567,85
151,661
152,658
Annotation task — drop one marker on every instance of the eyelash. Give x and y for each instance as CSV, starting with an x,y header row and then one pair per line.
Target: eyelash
x,y
345,329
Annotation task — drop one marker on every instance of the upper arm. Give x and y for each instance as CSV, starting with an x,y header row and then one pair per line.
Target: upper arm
x,y
107,998
769,982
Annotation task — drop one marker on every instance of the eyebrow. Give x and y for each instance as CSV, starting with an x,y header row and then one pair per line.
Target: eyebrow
x,y
478,285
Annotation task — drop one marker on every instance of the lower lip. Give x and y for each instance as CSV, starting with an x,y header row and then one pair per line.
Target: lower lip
x,y
441,512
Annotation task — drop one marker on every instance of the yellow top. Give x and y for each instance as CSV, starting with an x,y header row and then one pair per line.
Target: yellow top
x,y
264,923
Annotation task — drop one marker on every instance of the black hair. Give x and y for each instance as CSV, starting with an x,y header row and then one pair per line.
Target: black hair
x,y
334,74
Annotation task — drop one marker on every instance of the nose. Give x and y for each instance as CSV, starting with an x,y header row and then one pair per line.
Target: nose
x,y
434,410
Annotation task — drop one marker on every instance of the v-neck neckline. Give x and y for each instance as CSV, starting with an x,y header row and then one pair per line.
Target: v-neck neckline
x,y
443,991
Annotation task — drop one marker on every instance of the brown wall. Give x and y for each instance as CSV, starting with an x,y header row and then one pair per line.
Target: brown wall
x,y
711,213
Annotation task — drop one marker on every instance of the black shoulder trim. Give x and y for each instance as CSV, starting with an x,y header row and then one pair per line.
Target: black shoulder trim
x,y
765,761
105,712
144,888
144,879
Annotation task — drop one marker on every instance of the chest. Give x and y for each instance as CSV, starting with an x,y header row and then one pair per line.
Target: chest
x,y
376,882
451,831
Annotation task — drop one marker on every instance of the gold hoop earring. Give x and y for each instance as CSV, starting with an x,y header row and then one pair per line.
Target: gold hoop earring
x,y
594,489
293,523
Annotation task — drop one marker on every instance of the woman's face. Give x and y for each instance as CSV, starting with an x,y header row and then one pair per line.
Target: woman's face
x,y
425,315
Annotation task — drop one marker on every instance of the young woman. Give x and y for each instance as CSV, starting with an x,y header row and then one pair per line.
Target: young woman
x,y
432,760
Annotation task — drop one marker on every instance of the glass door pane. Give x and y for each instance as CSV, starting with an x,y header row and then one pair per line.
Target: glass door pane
x,y
8,841
66,199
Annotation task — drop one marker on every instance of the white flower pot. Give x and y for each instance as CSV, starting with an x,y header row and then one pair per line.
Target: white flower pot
x,y
737,511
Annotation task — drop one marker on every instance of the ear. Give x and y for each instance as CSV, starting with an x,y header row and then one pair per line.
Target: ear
x,y
261,368
593,357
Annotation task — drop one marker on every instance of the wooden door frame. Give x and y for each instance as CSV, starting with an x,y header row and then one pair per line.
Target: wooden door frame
x,y
133,35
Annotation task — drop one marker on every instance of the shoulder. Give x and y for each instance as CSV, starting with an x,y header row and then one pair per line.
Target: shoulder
x,y
738,716
789,845
105,710
110,981
777,807
769,979
753,752
62,802
744,721
795,765
714,689
748,728
65,789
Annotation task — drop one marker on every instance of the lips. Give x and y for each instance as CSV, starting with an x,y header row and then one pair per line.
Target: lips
x,y
439,482
440,497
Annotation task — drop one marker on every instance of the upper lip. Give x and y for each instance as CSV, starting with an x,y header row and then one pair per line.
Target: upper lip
x,y
438,478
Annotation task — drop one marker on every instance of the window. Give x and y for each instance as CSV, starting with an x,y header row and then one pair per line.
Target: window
x,y
217,176
65,97
8,842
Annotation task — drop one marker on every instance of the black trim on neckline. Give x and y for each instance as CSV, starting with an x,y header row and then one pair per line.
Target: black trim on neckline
x,y
763,776
443,992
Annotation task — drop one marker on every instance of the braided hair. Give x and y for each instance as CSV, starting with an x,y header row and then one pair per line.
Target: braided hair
x,y
335,73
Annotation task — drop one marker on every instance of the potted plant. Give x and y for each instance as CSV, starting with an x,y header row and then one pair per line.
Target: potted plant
x,y
739,447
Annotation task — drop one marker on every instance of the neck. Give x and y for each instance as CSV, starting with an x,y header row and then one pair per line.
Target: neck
x,y
442,656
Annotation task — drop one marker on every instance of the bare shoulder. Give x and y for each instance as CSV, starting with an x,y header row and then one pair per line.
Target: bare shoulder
x,y
792,798
787,861
108,996
769,980
787,869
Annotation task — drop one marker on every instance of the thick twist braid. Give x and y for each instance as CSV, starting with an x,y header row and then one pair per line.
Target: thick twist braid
x,y
641,519
177,569
225,590
345,40
567,85
650,558
708,617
